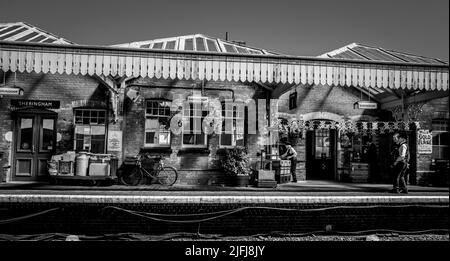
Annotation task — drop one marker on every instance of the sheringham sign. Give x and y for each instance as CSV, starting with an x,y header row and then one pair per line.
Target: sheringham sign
x,y
36,104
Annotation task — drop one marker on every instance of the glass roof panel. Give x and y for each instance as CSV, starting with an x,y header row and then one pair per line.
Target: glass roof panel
x,y
241,50
170,45
189,44
200,44
157,45
229,48
212,47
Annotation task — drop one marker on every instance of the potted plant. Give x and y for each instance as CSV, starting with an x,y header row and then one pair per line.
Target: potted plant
x,y
236,165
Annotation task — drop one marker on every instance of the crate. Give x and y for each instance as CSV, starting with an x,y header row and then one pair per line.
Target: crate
x,y
65,168
99,169
283,178
266,174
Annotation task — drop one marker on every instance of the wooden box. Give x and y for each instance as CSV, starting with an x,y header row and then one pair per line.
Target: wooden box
x,y
99,169
65,168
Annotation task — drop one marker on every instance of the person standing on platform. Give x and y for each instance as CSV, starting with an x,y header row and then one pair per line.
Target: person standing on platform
x,y
291,155
401,164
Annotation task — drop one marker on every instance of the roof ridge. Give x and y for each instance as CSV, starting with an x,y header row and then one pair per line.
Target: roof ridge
x,y
337,51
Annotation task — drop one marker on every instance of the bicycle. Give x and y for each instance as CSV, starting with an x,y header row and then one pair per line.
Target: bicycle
x,y
164,175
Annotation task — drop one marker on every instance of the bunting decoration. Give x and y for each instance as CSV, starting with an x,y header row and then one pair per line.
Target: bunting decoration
x,y
348,126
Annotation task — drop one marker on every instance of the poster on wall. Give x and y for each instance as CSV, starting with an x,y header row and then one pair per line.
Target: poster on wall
x,y
424,142
114,140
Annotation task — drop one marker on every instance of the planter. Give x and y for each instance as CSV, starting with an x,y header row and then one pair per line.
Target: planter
x,y
241,181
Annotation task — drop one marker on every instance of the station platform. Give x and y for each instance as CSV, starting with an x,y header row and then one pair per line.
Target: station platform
x,y
303,207
311,191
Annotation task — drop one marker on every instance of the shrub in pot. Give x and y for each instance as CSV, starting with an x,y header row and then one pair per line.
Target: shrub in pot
x,y
236,165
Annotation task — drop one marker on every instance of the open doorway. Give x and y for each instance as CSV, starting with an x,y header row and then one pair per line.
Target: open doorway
x,y
321,146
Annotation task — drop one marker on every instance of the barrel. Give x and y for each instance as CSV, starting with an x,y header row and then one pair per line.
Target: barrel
x,y
82,164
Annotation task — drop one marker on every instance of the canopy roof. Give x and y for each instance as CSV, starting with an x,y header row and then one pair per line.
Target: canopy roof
x,y
23,32
142,59
361,52
196,42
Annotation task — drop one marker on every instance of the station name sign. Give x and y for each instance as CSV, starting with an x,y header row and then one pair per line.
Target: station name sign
x,y
36,104
366,105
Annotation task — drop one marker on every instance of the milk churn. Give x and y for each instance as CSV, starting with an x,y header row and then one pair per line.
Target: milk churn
x,y
82,164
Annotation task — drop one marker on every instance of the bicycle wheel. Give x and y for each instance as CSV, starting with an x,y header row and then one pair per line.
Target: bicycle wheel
x,y
167,176
133,178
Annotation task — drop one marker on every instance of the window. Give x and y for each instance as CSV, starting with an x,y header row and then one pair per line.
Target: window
x,y
293,100
90,130
157,114
322,143
193,136
234,135
440,138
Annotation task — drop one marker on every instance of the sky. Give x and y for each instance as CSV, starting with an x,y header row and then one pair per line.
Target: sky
x,y
301,28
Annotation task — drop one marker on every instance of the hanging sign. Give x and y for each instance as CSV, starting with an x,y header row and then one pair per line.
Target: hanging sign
x,y
366,105
424,142
36,104
11,91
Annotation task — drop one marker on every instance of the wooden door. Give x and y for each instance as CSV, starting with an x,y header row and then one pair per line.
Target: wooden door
x,y
35,140
321,146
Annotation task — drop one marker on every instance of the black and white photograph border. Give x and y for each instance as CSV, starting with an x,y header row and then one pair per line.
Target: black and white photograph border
x,y
252,125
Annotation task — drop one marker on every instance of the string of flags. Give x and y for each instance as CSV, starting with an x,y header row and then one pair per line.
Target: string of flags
x,y
347,126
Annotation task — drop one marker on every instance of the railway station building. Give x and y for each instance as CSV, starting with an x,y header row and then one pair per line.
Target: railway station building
x,y
338,110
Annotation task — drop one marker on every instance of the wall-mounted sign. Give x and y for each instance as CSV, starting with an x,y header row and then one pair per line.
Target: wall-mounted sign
x,y
366,105
114,140
11,91
424,142
195,98
36,104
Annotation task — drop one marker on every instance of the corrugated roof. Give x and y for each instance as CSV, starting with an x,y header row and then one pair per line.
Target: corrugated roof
x,y
356,51
197,42
24,32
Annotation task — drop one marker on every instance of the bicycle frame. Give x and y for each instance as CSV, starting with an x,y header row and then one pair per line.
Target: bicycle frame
x,y
158,173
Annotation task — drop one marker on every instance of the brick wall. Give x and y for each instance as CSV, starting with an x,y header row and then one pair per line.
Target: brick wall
x,y
196,166
336,102
94,219
71,90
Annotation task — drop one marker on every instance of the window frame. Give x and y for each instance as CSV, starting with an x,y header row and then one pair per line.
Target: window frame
x,y
293,101
91,124
151,115
235,117
191,122
443,128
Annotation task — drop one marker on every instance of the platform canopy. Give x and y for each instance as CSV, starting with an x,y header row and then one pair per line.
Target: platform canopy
x,y
196,65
